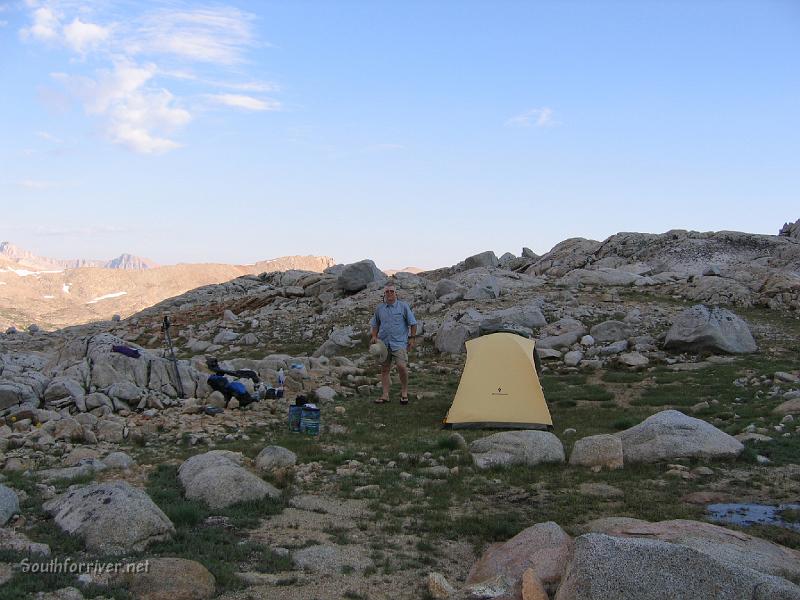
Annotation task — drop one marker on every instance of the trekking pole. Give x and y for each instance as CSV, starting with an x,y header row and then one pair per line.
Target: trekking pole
x,y
165,329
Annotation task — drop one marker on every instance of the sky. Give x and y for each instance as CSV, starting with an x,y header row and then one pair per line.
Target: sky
x,y
413,133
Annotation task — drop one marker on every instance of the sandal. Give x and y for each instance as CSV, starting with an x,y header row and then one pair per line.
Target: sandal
x,y
381,400
404,400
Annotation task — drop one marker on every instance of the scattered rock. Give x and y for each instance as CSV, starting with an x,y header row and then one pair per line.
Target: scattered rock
x,y
217,479
545,548
438,587
169,579
95,512
718,542
598,451
9,504
671,434
605,567
517,447
273,458
699,329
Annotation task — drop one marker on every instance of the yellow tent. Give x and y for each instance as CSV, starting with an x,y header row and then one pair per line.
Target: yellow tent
x,y
499,386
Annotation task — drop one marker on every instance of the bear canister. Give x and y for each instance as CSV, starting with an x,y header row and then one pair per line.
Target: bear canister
x,y
310,419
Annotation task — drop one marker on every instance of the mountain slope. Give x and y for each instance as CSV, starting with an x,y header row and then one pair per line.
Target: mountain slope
x,y
55,298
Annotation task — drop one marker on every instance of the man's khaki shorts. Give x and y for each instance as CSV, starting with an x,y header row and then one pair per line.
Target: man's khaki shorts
x,y
400,357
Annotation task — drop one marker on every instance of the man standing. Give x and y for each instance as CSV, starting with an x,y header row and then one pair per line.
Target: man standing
x,y
395,325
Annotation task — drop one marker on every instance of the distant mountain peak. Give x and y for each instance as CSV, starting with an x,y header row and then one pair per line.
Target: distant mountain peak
x,y
24,258
130,262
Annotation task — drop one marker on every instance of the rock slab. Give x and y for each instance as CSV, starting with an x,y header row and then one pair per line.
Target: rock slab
x,y
671,434
605,567
112,517
699,329
517,447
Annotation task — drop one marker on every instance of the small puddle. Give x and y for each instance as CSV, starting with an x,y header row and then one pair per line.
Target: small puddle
x,y
753,514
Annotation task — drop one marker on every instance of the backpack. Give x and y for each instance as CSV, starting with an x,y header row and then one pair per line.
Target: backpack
x,y
218,383
238,390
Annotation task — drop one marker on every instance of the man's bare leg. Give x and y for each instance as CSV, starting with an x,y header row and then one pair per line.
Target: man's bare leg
x,y
385,381
402,370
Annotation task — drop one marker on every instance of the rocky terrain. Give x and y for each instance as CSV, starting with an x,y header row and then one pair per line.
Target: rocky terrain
x,y
670,367
50,294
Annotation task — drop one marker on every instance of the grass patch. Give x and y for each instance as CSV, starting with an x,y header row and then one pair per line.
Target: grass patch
x,y
222,548
623,376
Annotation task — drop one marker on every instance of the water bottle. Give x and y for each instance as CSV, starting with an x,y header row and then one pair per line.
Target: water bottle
x,y
310,419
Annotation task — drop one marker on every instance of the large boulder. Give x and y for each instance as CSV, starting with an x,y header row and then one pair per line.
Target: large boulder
x,y
671,434
699,329
452,337
529,316
610,331
718,542
194,465
340,339
125,390
544,547
565,340
220,481
112,517
717,290
13,393
357,276
598,452
565,325
169,579
484,259
273,458
447,286
487,288
64,388
601,276
606,567
517,447
9,504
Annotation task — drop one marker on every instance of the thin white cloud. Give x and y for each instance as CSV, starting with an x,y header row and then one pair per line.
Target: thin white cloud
x,y
82,37
45,26
252,86
38,184
3,23
245,102
49,137
211,35
136,116
129,96
535,117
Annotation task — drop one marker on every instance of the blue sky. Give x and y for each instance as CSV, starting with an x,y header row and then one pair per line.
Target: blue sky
x,y
413,133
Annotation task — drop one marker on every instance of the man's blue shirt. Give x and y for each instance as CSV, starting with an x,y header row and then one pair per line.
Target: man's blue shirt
x,y
392,322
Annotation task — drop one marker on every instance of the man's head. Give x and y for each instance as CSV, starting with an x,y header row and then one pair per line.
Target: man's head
x,y
389,293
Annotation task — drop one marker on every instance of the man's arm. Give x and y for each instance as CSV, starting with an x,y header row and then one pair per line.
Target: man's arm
x,y
412,324
412,339
374,323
